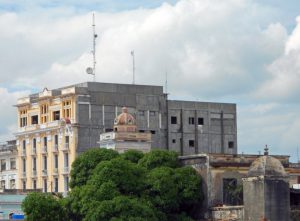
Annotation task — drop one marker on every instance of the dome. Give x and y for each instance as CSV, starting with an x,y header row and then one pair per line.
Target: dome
x,y
124,118
266,166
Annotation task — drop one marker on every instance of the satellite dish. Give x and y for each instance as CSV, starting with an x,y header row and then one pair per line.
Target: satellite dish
x,y
89,70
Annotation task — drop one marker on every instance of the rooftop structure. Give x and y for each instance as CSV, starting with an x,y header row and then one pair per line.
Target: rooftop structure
x,y
57,125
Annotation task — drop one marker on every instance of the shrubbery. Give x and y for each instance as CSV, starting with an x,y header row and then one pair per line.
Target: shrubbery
x,y
130,186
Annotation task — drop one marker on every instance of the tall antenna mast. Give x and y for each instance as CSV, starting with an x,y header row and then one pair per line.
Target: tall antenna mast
x,y
166,83
133,67
90,70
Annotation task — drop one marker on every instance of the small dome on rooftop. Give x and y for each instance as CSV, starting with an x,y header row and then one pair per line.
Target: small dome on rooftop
x,y
266,166
124,118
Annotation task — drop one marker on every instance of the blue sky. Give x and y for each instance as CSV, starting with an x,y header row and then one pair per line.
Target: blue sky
x,y
240,51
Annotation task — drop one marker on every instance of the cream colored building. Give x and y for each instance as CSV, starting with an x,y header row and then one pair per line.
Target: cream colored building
x,y
46,140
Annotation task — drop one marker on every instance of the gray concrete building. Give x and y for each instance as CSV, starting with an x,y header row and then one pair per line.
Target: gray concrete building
x,y
183,126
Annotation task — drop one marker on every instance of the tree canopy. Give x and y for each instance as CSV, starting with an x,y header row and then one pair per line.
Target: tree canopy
x,y
131,186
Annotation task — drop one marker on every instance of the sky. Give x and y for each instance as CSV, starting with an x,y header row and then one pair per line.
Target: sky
x,y
238,51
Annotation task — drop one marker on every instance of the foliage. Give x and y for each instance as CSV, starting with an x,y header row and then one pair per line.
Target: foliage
x,y
132,155
43,207
131,186
159,158
122,208
83,166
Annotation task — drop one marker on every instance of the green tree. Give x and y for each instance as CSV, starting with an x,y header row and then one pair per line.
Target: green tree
x,y
127,176
132,155
43,207
159,158
83,166
123,208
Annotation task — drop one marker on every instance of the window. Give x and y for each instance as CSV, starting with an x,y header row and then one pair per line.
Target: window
x,y
67,139
56,115
108,130
12,183
191,143
56,185
24,145
174,141
66,183
34,143
45,185
45,162
34,184
24,185
142,131
45,142
230,144
55,161
3,165
67,109
56,140
173,120
35,119
152,131
2,184
24,165
12,163
191,120
200,121
44,113
232,192
34,164
66,160
23,118
152,113
141,113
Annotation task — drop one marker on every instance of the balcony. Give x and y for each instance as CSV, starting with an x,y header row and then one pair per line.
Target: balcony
x,y
44,150
23,175
34,173
66,170
55,171
28,128
33,151
55,148
66,147
23,153
44,172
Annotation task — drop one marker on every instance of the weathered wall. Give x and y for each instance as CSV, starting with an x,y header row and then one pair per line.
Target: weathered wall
x,y
232,213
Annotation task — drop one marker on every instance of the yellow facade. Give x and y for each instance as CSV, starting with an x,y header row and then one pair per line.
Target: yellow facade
x,y
46,140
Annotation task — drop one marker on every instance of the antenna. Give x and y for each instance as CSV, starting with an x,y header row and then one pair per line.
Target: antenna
x,y
166,83
133,67
90,70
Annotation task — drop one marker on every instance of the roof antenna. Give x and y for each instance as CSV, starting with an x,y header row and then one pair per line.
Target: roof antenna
x,y
92,70
133,67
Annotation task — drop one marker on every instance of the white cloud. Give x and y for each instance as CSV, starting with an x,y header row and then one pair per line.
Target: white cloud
x,y
212,50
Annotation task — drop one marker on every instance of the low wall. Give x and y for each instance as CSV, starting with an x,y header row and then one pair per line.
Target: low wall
x,y
227,213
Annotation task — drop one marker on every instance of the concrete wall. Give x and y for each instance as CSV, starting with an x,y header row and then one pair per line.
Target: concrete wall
x,y
232,213
218,129
266,198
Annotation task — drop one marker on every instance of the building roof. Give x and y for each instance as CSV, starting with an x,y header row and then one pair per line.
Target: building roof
x,y
266,166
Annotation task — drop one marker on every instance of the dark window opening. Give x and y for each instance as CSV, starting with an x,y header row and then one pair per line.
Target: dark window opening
x,y
56,140
142,131
230,144
108,130
191,120
35,119
173,120
152,131
200,121
116,129
232,192
174,141
56,115
141,113
191,143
